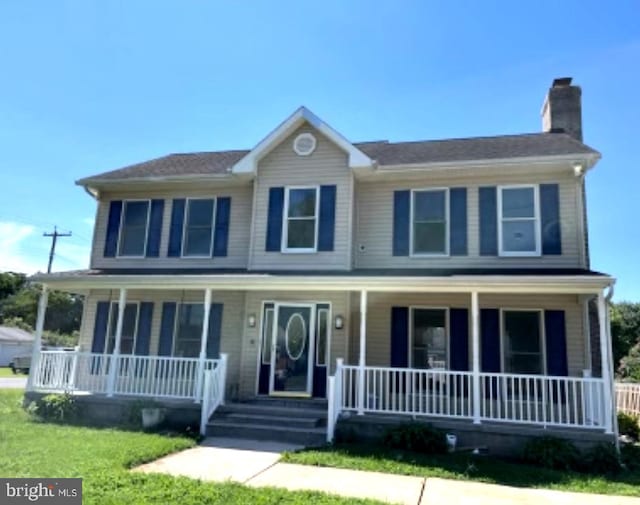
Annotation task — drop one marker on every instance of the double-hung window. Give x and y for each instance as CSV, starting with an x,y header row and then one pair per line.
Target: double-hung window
x,y
519,220
129,328
428,338
188,334
430,222
522,341
134,226
198,228
301,219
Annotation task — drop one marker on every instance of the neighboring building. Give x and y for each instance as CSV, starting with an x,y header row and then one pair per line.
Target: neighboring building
x,y
14,342
450,276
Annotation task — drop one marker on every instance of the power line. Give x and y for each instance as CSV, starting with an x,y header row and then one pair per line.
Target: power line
x,y
54,236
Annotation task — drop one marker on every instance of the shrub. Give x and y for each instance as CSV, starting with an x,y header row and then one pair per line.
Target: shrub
x,y
630,456
56,407
629,425
601,459
552,452
416,437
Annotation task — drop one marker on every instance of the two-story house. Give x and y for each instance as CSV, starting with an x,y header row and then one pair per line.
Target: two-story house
x,y
444,279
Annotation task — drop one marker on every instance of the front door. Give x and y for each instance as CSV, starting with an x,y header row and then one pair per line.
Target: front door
x,y
292,351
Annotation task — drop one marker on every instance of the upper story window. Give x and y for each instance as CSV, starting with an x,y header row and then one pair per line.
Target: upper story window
x,y
519,221
522,341
300,227
133,228
198,227
188,334
129,328
430,222
428,338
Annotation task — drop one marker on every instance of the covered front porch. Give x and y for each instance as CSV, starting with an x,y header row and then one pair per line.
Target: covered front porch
x,y
431,347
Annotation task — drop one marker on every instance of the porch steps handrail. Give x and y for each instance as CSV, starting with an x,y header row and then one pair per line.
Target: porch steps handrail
x,y
334,399
213,391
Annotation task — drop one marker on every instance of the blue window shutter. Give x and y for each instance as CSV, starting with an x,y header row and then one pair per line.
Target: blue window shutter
x,y
556,342
175,232
113,229
274,219
100,328
221,234
215,331
490,340
550,219
155,228
459,339
401,217
167,325
144,329
399,337
326,228
488,221
458,225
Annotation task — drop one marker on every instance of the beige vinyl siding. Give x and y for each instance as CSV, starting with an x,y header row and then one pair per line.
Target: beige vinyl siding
x,y
283,167
375,224
232,320
252,340
239,224
378,343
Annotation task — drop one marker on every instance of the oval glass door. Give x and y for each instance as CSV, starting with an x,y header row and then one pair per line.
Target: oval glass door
x,y
291,359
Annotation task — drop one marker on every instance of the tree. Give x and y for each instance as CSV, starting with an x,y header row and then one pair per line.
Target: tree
x,y
10,283
64,310
625,329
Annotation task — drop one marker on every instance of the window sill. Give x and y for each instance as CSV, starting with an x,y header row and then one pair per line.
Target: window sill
x,y
298,251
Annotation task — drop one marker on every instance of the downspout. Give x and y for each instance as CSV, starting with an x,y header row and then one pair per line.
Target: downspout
x,y
614,410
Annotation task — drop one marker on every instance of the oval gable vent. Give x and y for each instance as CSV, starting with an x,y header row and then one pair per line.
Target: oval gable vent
x,y
304,144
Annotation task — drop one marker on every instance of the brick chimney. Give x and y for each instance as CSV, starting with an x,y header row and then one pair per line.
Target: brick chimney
x,y
562,109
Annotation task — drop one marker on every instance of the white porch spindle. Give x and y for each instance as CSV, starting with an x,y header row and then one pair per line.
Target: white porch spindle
x,y
203,343
475,335
604,359
113,370
363,351
37,342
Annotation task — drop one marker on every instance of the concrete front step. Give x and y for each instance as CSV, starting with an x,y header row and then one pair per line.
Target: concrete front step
x,y
297,421
273,420
285,434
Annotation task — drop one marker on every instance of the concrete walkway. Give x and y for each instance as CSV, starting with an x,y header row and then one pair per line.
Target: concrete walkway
x,y
13,382
255,463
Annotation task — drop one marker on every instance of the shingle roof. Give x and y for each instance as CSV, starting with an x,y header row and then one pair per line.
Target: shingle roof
x,y
384,152
10,334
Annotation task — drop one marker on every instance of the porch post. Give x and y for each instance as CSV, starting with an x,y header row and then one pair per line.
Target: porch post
x,y
113,369
475,335
604,359
363,350
203,343
37,341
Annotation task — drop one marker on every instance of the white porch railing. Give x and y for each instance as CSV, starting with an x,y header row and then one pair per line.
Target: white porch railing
x,y
628,397
214,385
334,399
145,376
529,399
542,400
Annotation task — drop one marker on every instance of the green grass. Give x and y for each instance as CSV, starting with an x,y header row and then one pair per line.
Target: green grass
x,y
6,372
102,458
464,467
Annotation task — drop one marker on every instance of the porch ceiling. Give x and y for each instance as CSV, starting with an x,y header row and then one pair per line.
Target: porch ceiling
x,y
567,281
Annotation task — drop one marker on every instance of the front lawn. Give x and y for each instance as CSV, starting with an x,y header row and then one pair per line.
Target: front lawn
x,y
102,458
464,467
5,372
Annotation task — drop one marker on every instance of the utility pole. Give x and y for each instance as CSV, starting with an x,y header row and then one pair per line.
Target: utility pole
x,y
55,236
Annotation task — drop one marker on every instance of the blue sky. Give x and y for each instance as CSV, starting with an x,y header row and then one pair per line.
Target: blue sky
x,y
91,86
